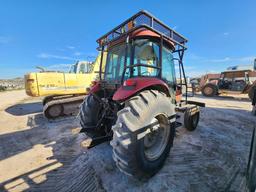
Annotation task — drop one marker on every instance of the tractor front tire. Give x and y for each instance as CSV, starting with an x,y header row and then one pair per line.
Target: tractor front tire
x,y
191,120
209,90
143,134
89,116
252,92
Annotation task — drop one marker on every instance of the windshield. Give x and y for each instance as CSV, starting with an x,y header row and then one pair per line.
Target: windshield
x,y
145,52
145,62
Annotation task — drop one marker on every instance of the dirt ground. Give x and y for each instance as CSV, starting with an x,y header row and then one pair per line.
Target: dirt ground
x,y
41,155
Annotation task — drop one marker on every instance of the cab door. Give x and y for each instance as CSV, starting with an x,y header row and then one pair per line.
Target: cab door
x,y
168,70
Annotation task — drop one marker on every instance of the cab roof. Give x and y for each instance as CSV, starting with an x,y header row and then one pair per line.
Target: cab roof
x,y
148,22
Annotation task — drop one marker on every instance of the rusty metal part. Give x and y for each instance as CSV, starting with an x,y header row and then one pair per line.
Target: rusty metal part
x,y
208,90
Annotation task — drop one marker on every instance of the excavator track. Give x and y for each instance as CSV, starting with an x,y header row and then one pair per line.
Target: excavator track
x,y
62,107
49,98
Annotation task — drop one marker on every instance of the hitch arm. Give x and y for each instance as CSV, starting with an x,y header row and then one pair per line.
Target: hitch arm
x,y
92,142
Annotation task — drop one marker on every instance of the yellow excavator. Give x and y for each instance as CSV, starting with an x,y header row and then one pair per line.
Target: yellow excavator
x,y
63,91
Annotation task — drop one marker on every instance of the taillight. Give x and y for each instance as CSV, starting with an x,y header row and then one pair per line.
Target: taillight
x,y
93,83
178,95
178,90
129,82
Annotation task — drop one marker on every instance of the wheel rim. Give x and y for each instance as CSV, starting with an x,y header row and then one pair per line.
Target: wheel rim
x,y
208,90
55,110
156,140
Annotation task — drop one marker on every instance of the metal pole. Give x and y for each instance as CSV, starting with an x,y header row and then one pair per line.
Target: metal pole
x,y
161,54
181,53
101,60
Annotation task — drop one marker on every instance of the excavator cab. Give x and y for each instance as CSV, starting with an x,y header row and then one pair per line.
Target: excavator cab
x,y
81,67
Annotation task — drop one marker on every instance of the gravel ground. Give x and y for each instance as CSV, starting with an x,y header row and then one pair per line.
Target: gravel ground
x,y
41,155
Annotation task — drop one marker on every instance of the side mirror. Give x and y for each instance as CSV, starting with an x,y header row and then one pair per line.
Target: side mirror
x,y
178,88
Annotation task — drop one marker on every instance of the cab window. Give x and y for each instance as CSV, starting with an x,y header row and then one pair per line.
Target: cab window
x,y
168,69
82,68
145,52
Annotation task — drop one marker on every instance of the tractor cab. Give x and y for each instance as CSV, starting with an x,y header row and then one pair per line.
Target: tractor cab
x,y
140,57
140,54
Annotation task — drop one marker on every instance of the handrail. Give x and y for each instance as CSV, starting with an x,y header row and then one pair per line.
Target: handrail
x,y
150,22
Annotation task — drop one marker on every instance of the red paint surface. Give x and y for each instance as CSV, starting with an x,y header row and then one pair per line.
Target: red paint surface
x,y
141,83
142,32
95,88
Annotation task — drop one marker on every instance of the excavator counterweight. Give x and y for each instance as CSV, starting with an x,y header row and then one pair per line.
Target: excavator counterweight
x,y
63,91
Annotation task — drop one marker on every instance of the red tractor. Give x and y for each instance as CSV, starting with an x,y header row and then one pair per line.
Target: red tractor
x,y
136,102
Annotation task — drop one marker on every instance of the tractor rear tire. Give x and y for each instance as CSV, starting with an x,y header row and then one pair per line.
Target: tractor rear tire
x,y
89,116
251,166
140,148
251,92
209,90
191,120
